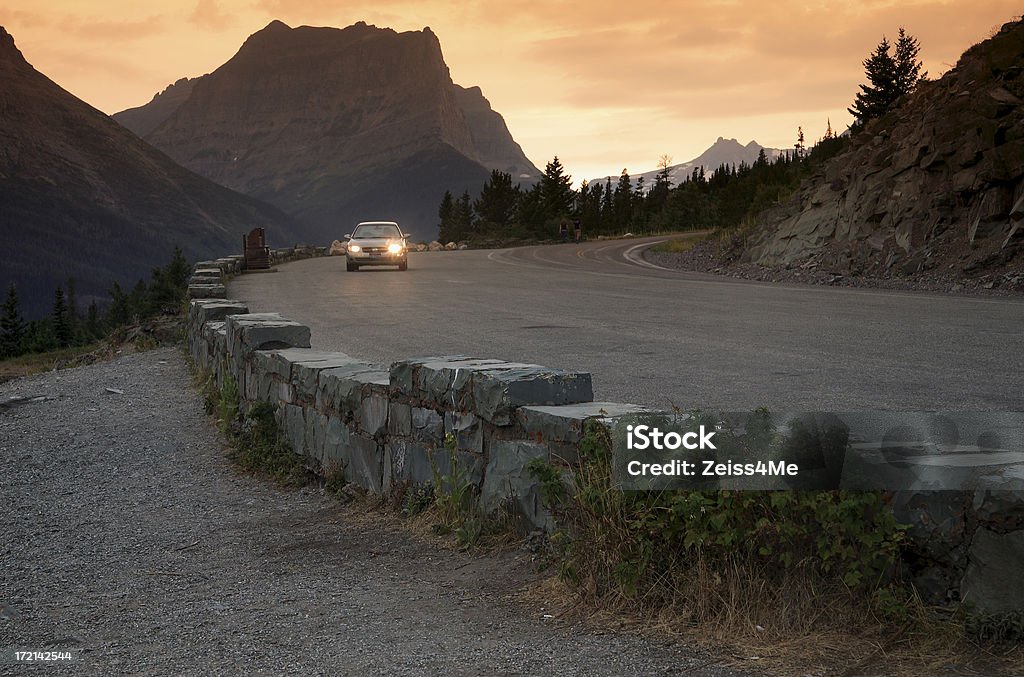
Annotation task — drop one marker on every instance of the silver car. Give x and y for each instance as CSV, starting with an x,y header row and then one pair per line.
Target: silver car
x,y
376,243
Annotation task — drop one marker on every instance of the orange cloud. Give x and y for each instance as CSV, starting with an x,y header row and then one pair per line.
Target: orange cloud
x,y
600,84
210,16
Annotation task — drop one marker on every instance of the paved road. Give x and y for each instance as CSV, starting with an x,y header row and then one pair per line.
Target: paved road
x,y
653,336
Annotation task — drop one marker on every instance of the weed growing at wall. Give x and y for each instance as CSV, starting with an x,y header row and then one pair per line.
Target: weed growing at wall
x,y
417,498
226,405
457,506
257,444
997,629
260,447
775,560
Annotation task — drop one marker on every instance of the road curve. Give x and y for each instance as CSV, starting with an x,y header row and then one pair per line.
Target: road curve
x,y
657,337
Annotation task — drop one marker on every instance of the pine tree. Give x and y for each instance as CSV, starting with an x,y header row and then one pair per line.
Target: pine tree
x,y
607,207
889,77
178,271
444,213
119,313
908,68
72,298
622,200
464,215
662,185
93,325
556,190
876,97
139,301
498,198
60,320
460,221
530,212
12,326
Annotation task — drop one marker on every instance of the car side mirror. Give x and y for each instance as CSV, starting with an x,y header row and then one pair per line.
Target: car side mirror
x,y
406,236
348,236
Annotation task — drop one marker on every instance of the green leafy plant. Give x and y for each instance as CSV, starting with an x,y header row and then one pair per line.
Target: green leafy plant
x,y
260,447
417,499
706,551
453,490
226,407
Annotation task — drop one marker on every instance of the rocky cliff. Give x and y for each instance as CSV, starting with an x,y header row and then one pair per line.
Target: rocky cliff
x,y
335,126
81,196
933,188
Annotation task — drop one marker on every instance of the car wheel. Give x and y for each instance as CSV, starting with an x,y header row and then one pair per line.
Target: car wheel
x,y
351,267
404,265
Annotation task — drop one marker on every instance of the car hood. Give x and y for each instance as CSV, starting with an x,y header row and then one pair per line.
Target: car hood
x,y
375,241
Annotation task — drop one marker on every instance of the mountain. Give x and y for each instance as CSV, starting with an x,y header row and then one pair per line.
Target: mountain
x,y
145,119
81,196
335,126
722,151
934,187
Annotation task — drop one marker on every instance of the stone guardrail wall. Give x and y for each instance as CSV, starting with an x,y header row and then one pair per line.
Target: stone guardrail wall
x,y
385,426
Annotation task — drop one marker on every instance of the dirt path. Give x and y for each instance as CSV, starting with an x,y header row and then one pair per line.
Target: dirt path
x,y
125,534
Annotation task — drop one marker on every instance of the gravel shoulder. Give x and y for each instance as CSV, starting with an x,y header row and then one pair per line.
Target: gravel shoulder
x,y
125,533
706,257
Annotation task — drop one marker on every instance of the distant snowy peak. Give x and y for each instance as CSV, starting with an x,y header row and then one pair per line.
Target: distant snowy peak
x,y
722,151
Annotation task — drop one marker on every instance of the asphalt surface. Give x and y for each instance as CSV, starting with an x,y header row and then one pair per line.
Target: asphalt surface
x,y
658,337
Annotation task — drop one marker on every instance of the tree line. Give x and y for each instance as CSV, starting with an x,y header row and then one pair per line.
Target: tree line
x,y
68,325
720,197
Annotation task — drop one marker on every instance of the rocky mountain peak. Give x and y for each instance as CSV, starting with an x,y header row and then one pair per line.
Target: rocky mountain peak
x,y
8,50
315,120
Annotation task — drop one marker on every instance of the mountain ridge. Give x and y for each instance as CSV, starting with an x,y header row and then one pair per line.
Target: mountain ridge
x,y
364,108
722,151
82,197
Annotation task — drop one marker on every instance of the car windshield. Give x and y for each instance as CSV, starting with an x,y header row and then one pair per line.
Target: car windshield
x,y
376,230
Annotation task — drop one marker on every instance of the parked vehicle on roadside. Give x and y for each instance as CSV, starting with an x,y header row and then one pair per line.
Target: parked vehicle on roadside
x,y
376,243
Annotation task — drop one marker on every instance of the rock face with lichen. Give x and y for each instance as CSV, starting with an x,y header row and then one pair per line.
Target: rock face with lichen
x,y
335,126
935,185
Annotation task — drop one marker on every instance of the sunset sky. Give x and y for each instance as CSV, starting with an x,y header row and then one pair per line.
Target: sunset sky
x,y
604,85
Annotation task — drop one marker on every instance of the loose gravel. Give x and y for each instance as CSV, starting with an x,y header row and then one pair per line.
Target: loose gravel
x,y
126,534
705,257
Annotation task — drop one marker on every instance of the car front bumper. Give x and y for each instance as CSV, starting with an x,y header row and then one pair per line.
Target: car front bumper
x,y
382,258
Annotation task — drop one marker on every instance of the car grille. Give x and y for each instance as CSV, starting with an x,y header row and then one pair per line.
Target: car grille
x,y
375,250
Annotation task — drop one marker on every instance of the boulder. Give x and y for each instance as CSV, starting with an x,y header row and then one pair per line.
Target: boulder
x,y
337,248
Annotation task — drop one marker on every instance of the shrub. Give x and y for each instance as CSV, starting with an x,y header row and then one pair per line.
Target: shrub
x,y
715,553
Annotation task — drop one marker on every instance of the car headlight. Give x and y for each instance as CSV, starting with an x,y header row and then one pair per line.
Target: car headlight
x,y
354,248
395,248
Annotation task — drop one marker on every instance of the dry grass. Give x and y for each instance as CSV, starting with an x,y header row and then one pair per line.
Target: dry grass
x,y
35,363
824,636
795,625
681,244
